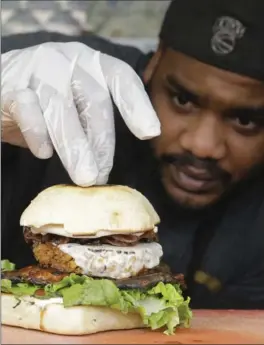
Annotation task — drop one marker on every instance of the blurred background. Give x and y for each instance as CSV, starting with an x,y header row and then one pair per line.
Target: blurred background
x,y
135,22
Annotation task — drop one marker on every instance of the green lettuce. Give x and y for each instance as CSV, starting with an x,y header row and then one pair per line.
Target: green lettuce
x,y
19,289
6,265
161,306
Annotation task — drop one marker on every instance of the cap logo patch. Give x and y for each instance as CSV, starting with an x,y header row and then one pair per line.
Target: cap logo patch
x,y
227,31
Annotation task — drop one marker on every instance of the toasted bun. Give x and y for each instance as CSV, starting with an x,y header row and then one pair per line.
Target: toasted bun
x,y
88,211
54,318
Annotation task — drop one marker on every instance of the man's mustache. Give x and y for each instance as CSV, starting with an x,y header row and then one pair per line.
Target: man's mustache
x,y
188,159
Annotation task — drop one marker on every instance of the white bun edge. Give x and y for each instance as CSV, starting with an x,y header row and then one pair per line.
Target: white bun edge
x,y
54,318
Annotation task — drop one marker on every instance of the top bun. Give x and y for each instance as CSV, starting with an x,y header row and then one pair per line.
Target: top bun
x,y
87,211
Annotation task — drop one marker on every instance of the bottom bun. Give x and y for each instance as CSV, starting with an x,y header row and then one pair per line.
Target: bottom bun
x,y
51,316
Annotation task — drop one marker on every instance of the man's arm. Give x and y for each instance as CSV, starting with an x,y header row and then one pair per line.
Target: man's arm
x,y
23,174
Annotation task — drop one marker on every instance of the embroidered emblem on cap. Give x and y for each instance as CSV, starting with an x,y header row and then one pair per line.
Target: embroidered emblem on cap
x,y
227,31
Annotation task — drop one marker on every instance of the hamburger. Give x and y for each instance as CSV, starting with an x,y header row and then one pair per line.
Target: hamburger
x,y
99,265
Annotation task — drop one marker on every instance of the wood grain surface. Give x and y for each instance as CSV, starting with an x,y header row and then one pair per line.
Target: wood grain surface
x,y
208,327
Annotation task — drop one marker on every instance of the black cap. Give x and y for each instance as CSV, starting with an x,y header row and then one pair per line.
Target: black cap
x,y
228,34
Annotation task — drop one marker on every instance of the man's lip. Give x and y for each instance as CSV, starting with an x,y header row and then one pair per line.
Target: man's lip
x,y
196,173
187,180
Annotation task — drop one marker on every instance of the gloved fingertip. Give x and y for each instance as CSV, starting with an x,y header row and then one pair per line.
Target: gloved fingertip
x,y
101,180
84,179
45,151
152,132
148,132
82,183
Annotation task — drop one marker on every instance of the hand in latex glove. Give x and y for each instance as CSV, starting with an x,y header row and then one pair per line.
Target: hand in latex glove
x,y
58,96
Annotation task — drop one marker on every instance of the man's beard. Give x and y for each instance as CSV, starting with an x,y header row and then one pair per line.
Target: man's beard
x,y
229,186
187,159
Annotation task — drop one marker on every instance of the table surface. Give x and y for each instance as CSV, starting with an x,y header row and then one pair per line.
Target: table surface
x,y
208,327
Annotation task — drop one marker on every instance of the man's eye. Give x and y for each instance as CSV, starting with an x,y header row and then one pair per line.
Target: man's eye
x,y
245,123
182,102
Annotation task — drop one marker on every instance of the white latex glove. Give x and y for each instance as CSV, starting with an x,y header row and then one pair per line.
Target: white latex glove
x,y
58,96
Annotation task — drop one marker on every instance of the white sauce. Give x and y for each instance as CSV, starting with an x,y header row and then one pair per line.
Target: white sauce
x,y
114,262
42,303
59,230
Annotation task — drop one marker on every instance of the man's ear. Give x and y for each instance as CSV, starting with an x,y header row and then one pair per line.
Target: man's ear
x,y
153,63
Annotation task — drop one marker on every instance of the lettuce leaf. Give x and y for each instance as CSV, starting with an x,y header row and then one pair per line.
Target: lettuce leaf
x,y
19,289
101,292
161,306
6,265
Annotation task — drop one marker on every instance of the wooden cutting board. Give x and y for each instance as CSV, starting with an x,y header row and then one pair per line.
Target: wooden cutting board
x,y
208,327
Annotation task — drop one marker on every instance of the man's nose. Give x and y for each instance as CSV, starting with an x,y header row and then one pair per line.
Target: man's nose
x,y
204,137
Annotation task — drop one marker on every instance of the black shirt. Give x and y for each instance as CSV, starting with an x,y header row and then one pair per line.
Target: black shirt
x,y
220,250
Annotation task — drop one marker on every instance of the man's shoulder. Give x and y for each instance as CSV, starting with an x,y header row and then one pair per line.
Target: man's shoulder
x,y
126,53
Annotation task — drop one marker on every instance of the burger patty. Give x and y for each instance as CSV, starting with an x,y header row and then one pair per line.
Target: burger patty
x,y
97,259
114,240
49,255
35,275
145,280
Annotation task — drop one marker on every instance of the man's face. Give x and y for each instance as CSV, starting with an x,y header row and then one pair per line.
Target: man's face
x,y
212,125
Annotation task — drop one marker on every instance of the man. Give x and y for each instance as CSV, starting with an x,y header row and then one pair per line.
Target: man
x,y
203,172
